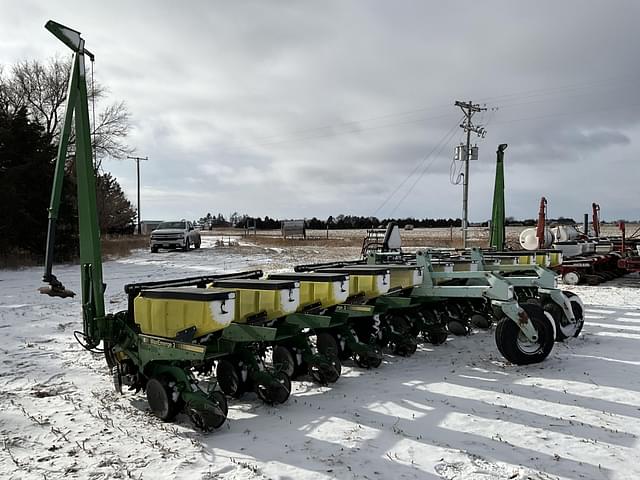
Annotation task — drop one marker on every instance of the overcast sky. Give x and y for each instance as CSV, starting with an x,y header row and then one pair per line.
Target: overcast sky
x,y
316,108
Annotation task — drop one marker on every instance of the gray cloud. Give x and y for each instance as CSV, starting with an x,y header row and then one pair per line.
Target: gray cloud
x,y
317,108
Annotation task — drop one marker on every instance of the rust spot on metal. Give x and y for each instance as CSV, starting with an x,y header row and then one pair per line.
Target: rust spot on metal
x,y
523,318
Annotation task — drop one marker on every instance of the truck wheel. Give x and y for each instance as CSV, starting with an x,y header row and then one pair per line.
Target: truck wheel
x,y
154,249
516,347
186,245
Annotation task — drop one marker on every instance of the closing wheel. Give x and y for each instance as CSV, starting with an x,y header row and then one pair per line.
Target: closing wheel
x,y
326,372
327,345
436,337
276,391
229,378
480,321
406,346
516,347
457,328
284,360
160,398
207,420
371,359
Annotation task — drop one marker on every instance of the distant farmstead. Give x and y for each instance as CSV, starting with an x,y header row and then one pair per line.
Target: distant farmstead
x,y
147,226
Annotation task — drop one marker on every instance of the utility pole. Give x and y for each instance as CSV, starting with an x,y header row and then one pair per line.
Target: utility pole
x,y
137,159
469,109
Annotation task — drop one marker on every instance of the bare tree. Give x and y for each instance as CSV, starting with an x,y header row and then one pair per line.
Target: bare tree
x,y
42,89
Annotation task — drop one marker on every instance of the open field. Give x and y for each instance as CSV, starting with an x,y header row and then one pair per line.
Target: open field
x,y
456,411
418,237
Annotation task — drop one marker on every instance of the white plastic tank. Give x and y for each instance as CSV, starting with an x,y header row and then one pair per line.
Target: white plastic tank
x,y
529,240
565,233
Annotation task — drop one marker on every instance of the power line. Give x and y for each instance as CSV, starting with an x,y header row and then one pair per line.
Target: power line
x,y
551,91
415,169
427,167
355,130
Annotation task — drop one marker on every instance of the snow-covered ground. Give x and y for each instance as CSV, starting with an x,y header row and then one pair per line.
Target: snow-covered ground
x,y
456,411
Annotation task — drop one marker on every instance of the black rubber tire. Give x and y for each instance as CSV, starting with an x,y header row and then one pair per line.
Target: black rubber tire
x,y
436,337
406,347
457,328
275,394
480,321
229,378
513,344
557,314
154,249
284,360
327,345
207,421
109,355
160,399
577,311
187,245
369,360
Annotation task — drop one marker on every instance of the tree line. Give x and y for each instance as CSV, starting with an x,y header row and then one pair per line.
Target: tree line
x,y
338,222
355,222
32,101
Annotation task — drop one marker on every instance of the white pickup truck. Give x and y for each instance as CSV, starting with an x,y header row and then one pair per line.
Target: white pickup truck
x,y
177,234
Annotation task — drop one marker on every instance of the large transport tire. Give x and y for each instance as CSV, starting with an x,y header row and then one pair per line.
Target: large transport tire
x,y
516,347
578,311
229,377
564,329
161,399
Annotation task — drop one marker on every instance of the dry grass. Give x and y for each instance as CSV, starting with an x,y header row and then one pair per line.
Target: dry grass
x,y
113,246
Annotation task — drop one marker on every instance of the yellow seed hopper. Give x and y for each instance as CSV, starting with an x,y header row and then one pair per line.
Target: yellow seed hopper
x,y
324,289
165,312
267,299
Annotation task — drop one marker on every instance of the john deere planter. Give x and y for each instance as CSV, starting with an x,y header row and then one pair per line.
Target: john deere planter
x,y
190,343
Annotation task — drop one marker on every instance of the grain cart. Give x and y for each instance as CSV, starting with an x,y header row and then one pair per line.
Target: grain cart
x,y
171,330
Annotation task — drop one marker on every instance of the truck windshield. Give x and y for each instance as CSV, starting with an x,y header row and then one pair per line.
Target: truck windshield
x,y
163,225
